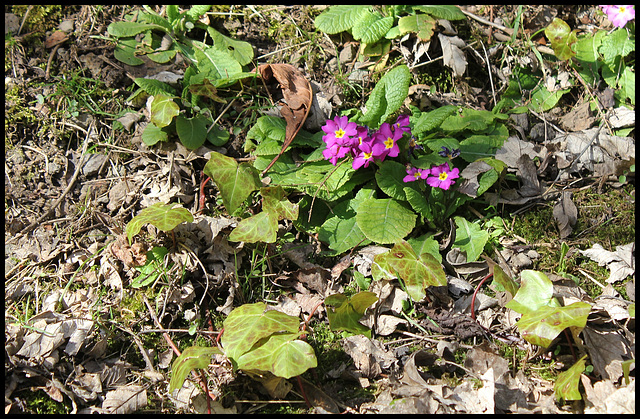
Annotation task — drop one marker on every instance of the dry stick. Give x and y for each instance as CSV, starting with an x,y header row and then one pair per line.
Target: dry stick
x,y
493,90
66,191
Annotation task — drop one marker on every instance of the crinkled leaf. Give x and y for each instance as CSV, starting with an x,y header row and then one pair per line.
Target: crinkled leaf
x,y
234,181
340,18
206,89
385,220
566,386
194,357
192,131
163,110
155,87
543,325
617,44
281,355
389,179
470,238
429,121
418,273
262,227
448,12
249,323
386,97
197,10
536,290
371,27
348,310
165,217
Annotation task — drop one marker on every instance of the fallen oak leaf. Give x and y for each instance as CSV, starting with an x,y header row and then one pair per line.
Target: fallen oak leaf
x,y
298,96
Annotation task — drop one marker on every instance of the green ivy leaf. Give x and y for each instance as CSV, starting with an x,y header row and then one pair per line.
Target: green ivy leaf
x,y
262,227
385,220
164,217
371,27
206,89
163,110
154,266
536,290
470,238
249,323
348,310
566,386
386,97
282,355
340,18
542,100
234,181
418,273
276,202
194,357
426,244
152,134
543,325
561,38
421,24
503,279
192,131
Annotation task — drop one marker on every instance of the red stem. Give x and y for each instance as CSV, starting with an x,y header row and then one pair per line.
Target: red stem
x,y
473,299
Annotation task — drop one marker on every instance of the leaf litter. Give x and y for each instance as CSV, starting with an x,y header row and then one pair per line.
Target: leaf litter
x,y
64,326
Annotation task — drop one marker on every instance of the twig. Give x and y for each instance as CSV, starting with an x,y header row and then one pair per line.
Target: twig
x,y
53,52
66,191
493,90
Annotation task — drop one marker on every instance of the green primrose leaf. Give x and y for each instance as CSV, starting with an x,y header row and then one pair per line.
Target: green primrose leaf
x,y
543,325
152,269
429,121
470,238
262,227
163,110
198,10
341,232
385,220
386,97
217,64
234,181
542,100
421,24
340,18
448,12
503,279
194,357
192,131
536,290
389,179
617,44
419,203
348,310
418,273
566,386
164,217
155,87
249,323
371,27
126,29
240,51
125,52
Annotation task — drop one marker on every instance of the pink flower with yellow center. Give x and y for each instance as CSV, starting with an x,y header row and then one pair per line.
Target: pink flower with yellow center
x,y
337,129
442,176
388,138
619,15
414,173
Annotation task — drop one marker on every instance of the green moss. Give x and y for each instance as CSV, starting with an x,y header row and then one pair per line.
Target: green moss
x,y
39,402
41,18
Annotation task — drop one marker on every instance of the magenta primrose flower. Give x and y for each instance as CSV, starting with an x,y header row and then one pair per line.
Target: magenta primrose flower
x,y
388,138
413,173
619,15
402,123
338,128
442,176
368,151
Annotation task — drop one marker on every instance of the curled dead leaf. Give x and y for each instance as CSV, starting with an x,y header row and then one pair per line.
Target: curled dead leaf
x,y
297,96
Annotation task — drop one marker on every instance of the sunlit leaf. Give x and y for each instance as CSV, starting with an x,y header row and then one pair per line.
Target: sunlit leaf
x,y
262,227
282,354
348,311
234,181
543,325
165,217
536,290
470,238
194,357
418,273
385,220
567,383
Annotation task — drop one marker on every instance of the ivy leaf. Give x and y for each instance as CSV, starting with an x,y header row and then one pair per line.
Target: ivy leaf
x,y
262,227
234,181
164,217
163,110
470,238
385,220
387,97
282,355
150,271
418,273
249,323
152,134
194,357
543,325
340,18
566,386
561,38
536,290
275,201
192,131
503,280
348,310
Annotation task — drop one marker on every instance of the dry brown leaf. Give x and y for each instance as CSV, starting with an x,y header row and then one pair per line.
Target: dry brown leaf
x,y
297,95
55,38
566,214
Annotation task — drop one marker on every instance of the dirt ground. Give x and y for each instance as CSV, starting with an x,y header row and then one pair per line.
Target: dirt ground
x,y
77,171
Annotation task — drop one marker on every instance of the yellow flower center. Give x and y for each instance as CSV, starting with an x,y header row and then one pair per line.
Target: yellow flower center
x,y
622,9
416,175
443,176
367,156
339,133
388,143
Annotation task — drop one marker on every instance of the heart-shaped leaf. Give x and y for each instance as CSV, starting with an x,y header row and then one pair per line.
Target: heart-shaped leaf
x,y
470,238
282,354
234,181
262,227
163,110
536,290
418,273
165,217
543,325
194,357
566,386
348,310
385,220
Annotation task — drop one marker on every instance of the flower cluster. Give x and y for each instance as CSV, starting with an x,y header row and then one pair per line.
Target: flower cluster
x,y
438,176
619,15
347,138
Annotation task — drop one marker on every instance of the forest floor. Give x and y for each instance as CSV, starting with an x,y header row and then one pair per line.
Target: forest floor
x,y
83,335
